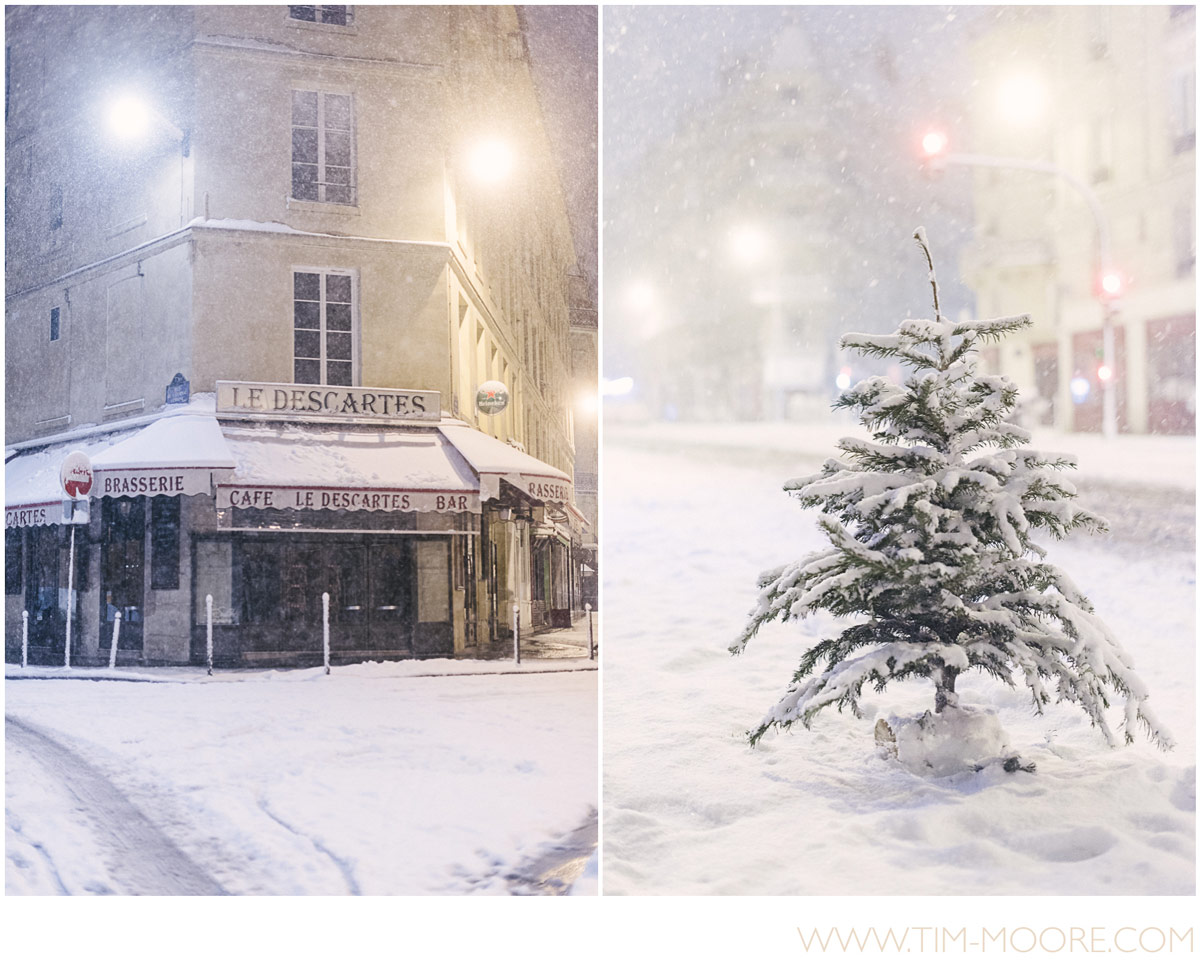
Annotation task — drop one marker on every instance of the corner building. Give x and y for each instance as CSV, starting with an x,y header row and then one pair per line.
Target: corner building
x,y
265,319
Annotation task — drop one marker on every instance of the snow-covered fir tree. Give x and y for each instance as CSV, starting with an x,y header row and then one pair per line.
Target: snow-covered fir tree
x,y
931,559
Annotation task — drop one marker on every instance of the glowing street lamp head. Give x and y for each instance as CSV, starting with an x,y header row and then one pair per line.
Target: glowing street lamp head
x,y
640,296
1104,373
748,244
1021,99
128,117
1112,284
491,161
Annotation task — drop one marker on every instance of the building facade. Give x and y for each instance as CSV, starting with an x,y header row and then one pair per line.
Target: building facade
x,y
280,321
1109,100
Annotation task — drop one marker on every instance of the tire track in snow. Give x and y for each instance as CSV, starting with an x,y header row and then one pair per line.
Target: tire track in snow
x,y
342,865
140,857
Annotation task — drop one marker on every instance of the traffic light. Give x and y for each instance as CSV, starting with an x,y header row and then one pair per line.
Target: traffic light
x,y
934,143
1111,285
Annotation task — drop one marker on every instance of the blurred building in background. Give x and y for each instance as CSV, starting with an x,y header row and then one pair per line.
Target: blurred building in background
x,y
1106,94
266,305
765,221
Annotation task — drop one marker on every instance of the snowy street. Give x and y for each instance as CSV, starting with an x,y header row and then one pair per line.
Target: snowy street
x,y
379,779
691,809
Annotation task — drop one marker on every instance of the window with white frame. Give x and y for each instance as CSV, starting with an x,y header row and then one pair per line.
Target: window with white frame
x,y
339,15
323,147
325,343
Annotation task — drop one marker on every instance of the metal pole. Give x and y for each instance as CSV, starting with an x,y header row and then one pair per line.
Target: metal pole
x,y
24,637
591,645
1109,421
112,652
208,632
517,634
70,597
325,625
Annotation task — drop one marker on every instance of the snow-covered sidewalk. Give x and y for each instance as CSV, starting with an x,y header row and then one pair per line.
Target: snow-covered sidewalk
x,y
690,808
297,783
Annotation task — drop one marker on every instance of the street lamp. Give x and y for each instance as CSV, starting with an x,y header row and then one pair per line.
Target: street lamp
x,y
131,117
491,161
1111,282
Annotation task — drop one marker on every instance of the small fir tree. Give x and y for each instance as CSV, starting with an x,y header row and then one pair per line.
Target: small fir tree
x,y
931,557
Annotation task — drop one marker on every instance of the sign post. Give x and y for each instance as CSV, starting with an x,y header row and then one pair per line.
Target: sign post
x,y
76,478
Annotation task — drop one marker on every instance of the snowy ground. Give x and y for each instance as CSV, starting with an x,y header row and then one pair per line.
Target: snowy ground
x,y
368,781
693,514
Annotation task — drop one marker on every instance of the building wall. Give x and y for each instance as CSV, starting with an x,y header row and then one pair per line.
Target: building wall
x,y
1118,83
175,253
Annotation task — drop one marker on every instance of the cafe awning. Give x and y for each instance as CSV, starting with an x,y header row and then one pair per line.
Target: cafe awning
x,y
494,461
347,469
172,455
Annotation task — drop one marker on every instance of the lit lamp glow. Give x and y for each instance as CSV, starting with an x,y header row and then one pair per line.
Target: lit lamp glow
x,y
1104,373
129,117
491,161
748,244
1021,99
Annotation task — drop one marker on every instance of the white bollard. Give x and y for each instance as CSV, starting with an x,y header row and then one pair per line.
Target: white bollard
x,y
591,644
517,634
24,637
325,624
112,653
208,634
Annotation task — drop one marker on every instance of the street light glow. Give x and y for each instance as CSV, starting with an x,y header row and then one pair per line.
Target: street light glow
x,y
128,117
748,244
491,161
1104,373
640,296
1021,98
616,387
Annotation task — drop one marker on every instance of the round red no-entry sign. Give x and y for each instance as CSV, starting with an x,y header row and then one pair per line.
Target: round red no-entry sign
x,y
76,475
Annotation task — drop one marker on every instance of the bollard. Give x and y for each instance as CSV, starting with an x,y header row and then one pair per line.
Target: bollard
x,y
517,634
208,631
24,637
112,652
325,624
591,645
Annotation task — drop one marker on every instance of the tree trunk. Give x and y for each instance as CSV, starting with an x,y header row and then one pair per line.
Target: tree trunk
x,y
945,696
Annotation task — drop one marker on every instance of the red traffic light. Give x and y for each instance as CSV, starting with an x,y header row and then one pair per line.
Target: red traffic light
x,y
934,143
1112,284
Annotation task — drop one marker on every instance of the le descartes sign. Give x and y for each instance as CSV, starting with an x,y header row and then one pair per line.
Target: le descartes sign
x,y
357,403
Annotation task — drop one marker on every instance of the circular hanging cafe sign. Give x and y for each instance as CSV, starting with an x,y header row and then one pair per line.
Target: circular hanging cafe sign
x,y
491,398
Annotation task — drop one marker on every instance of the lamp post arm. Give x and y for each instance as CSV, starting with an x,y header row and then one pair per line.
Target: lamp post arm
x,y
1034,166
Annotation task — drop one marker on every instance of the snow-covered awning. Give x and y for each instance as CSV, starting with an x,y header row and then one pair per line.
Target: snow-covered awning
x,y
345,469
493,461
173,455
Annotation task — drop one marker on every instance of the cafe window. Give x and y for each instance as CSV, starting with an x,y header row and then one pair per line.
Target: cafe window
x,y
13,551
324,340
164,542
323,147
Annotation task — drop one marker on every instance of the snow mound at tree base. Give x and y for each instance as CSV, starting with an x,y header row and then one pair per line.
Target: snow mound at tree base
x,y
959,739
